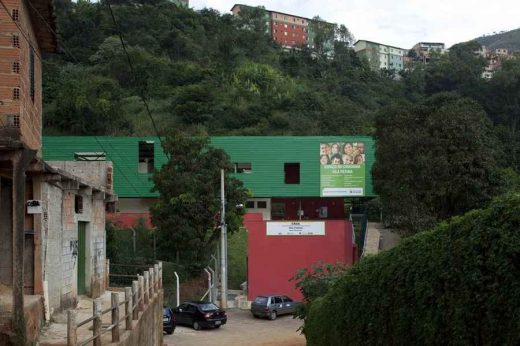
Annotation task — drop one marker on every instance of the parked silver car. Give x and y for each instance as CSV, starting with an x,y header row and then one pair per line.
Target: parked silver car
x,y
273,305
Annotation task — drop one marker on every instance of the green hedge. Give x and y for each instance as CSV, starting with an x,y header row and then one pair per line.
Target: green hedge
x,y
456,285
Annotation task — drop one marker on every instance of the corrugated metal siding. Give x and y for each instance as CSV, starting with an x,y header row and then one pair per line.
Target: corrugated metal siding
x,y
266,154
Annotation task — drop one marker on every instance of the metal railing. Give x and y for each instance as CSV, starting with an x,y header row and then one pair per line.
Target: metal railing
x,y
137,299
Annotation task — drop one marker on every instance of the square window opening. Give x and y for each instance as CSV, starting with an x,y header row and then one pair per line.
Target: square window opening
x,y
261,204
16,93
292,173
16,67
250,204
243,167
78,204
146,156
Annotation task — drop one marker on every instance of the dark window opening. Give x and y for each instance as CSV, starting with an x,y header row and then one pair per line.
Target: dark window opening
x,y
243,167
31,73
250,204
16,93
16,41
78,204
292,173
90,156
16,67
261,204
15,14
110,207
146,156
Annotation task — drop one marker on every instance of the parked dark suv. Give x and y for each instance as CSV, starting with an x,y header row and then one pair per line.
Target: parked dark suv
x,y
200,315
273,305
168,320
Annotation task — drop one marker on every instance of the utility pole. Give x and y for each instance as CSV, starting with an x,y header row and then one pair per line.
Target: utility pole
x,y
223,245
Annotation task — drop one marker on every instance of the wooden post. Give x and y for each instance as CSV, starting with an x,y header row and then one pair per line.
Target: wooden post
x,y
141,293
128,307
115,316
146,287
156,276
152,282
160,274
96,331
72,337
135,301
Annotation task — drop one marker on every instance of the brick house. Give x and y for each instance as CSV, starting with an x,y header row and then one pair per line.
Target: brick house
x,y
51,216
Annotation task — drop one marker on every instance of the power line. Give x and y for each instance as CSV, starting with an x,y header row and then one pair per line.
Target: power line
x,y
117,167
139,85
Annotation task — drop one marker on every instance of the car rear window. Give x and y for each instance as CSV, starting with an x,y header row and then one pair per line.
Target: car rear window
x,y
208,307
261,300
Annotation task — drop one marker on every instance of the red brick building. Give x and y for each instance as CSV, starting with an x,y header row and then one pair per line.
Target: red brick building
x,y
286,29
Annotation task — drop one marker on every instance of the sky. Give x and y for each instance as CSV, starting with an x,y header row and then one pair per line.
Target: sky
x,y
400,23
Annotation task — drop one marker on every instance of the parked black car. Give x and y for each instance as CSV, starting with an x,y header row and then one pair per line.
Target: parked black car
x,y
200,315
168,320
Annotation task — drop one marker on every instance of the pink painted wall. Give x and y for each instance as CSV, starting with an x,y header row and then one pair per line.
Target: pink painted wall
x,y
273,260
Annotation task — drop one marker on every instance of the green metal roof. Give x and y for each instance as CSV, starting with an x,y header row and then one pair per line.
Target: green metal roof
x,y
266,154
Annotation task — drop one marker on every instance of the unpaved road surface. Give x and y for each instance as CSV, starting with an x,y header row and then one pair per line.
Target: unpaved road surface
x,y
241,329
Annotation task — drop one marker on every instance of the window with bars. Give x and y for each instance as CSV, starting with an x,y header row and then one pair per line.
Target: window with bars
x,y
16,93
16,67
13,120
15,14
15,41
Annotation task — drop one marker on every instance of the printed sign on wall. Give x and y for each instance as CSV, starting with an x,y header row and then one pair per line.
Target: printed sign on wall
x,y
342,169
295,228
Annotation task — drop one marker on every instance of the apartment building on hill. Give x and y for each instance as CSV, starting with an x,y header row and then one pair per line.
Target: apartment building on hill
x,y
381,56
423,51
289,30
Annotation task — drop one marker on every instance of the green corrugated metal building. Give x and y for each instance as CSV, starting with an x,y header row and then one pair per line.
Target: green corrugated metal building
x,y
266,156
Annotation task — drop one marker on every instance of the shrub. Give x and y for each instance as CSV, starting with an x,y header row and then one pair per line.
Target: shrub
x,y
458,284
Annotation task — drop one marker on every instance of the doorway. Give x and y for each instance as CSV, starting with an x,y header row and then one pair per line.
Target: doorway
x,y
82,236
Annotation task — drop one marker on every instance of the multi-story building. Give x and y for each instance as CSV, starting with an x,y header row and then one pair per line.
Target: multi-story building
x,y
302,190
424,51
288,30
381,56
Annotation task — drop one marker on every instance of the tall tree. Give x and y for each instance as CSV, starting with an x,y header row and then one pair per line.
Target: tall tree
x,y
187,212
434,159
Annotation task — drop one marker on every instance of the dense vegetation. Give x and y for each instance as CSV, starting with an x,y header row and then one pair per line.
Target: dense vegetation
x,y
457,285
224,75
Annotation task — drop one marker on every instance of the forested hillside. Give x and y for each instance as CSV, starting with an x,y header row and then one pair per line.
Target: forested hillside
x,y
200,69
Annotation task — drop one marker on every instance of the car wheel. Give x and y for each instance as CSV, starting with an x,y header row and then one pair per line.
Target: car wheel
x,y
216,327
272,315
169,331
254,315
196,325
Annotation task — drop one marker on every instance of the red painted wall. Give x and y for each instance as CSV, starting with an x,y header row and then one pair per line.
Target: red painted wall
x,y
129,220
273,260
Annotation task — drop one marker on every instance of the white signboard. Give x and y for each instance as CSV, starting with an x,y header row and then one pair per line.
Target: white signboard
x,y
295,228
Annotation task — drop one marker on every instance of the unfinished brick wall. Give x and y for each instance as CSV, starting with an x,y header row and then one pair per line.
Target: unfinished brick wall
x,y
27,107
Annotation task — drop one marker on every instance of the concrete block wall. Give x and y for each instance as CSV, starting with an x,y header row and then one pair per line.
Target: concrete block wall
x,y
93,172
60,243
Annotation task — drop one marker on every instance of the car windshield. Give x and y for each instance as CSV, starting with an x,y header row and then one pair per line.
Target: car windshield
x,y
208,307
261,300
